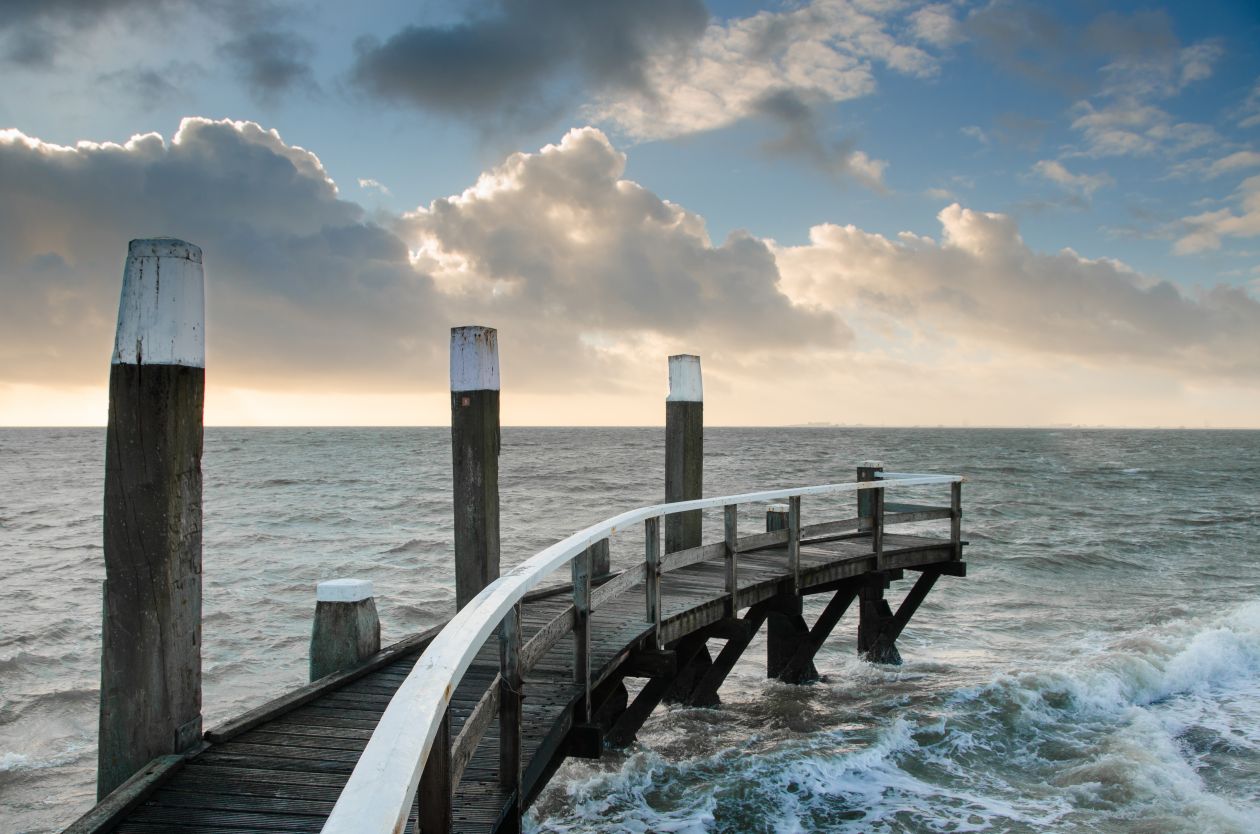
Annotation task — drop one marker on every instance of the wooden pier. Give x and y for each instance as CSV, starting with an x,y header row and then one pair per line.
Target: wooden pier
x,y
283,766
460,728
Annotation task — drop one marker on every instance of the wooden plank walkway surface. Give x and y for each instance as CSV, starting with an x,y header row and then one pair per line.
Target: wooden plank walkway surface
x,y
285,773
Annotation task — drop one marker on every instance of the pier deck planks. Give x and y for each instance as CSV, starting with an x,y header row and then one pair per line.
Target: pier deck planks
x,y
285,773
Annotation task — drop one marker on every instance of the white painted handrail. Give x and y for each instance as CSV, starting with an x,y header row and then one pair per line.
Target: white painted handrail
x,y
379,795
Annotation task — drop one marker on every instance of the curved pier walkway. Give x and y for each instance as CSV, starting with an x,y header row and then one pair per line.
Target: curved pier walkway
x,y
283,766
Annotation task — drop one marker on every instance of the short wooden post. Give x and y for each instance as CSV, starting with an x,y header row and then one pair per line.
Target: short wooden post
x,y
652,556
436,792
475,458
601,562
151,630
511,695
955,518
866,498
684,450
794,540
877,526
581,566
730,525
347,629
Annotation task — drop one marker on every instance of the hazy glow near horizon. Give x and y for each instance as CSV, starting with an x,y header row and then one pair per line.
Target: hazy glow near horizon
x,y
812,198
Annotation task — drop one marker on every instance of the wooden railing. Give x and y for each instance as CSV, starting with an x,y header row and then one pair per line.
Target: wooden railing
x,y
412,749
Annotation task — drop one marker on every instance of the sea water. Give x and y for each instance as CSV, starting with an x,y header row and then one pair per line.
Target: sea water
x,y
1097,670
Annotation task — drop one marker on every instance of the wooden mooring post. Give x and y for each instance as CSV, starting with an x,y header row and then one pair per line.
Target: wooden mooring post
x,y
475,458
875,617
346,630
684,450
151,621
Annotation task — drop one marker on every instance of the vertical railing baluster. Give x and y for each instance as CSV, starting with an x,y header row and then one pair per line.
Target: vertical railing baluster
x,y
877,526
794,542
582,626
436,791
955,518
652,556
511,694
730,518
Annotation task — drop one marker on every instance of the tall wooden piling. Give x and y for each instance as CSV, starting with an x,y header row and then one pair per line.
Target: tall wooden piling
x,y
347,629
684,450
475,458
151,623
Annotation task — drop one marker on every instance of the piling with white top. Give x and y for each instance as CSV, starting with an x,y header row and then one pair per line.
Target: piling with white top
x,y
347,629
684,449
475,458
151,620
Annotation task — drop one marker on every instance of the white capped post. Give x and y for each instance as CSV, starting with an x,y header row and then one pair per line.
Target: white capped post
x,y
684,449
346,630
151,621
475,458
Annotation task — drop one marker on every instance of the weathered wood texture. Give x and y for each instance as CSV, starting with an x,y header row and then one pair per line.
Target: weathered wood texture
x,y
475,460
343,635
151,630
684,471
284,773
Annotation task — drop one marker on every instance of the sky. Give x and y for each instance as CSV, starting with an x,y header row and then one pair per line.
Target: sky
x,y
855,211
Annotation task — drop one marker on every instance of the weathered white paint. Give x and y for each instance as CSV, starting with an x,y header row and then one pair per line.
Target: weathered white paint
x,y
162,309
379,796
778,508
343,590
871,464
474,358
685,383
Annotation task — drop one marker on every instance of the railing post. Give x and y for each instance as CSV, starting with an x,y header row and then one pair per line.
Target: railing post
x,y
955,518
511,694
150,701
582,564
730,518
475,458
684,450
794,541
877,526
652,556
436,791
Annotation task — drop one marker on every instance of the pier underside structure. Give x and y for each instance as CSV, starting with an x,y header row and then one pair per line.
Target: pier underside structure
x,y
544,678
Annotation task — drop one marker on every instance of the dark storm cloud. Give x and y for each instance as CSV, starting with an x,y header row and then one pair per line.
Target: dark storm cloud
x,y
263,51
520,61
271,62
803,137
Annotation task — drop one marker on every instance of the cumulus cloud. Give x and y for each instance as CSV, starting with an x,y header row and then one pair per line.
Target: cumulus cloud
x,y
981,281
560,244
589,276
520,62
301,284
804,137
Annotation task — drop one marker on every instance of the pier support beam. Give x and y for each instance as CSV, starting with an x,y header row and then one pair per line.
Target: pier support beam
x,y
151,626
475,458
785,626
877,632
684,450
347,629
